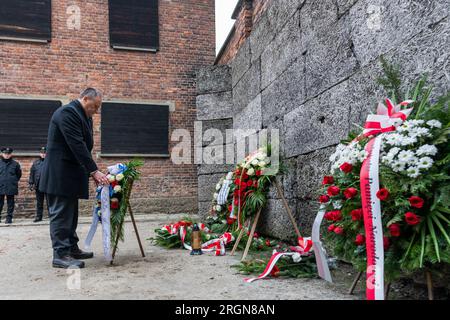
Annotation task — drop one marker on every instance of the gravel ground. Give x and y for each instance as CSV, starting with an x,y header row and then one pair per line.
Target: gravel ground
x,y
26,272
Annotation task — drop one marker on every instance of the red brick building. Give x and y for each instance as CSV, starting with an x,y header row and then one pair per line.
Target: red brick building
x,y
51,50
246,14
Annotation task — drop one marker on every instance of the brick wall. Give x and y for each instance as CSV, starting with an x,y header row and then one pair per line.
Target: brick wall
x,y
75,59
247,14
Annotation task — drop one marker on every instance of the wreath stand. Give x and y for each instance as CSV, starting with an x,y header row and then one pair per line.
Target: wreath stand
x,y
388,285
130,211
255,223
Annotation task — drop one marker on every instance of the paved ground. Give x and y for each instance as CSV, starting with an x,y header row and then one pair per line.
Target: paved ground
x,y
26,273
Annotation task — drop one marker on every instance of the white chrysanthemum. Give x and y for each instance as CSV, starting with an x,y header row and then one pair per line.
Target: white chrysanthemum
x,y
262,164
405,156
416,122
419,132
251,172
434,124
255,162
218,186
216,195
413,172
406,141
394,139
398,166
425,163
427,150
218,208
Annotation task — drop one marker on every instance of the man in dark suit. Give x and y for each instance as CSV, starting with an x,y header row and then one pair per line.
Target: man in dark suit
x,y
33,182
65,174
10,174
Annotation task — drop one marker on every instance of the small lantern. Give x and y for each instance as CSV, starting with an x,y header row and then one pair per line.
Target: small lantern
x,y
196,241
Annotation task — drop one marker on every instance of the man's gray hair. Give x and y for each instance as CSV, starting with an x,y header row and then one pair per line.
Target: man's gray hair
x,y
91,93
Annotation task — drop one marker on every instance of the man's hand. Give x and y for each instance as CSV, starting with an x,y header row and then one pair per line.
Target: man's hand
x,y
31,186
100,178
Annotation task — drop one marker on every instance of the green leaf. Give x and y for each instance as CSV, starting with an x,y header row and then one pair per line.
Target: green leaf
x,y
434,238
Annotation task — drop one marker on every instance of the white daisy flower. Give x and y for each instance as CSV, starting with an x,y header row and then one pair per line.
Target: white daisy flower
x,y
434,124
425,163
405,156
427,149
413,172
398,166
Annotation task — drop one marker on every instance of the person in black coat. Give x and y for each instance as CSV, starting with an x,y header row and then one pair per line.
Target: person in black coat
x,y
10,174
33,181
65,174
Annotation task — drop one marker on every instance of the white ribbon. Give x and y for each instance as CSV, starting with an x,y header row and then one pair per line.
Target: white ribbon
x,y
321,257
106,224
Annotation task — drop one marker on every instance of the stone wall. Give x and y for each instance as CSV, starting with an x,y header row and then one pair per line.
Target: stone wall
x,y
309,68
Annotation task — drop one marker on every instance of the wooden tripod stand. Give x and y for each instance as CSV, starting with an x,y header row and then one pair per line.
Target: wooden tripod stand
x,y
255,223
130,211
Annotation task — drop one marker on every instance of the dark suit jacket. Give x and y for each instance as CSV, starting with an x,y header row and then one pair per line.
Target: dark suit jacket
x,y
69,161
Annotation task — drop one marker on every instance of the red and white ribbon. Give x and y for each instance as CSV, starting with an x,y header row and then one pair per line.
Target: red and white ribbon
x,y
303,249
369,180
387,118
216,245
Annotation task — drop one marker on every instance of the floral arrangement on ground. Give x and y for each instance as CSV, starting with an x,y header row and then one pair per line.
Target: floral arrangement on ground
x,y
414,182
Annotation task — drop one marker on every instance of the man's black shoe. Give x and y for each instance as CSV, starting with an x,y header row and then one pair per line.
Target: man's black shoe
x,y
37,220
8,222
67,262
81,255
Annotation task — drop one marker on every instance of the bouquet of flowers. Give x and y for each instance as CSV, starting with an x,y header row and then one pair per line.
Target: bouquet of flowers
x,y
121,177
247,189
414,187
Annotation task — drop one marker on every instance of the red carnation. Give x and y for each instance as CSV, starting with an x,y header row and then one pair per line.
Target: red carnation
x,y
255,235
383,194
394,230
333,215
386,243
339,230
230,221
331,228
244,176
412,219
360,240
249,183
230,208
346,167
236,202
333,191
357,214
328,180
258,173
324,199
268,244
416,202
237,182
255,183
350,193
238,172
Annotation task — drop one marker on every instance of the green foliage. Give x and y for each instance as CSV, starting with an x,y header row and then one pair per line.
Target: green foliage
x,y
287,268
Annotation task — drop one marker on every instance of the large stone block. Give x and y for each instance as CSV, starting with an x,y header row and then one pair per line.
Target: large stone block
x,y
427,52
270,23
319,123
306,213
311,169
378,26
282,52
247,88
214,106
206,169
213,79
207,186
329,58
212,127
250,117
241,63
285,93
204,209
275,221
